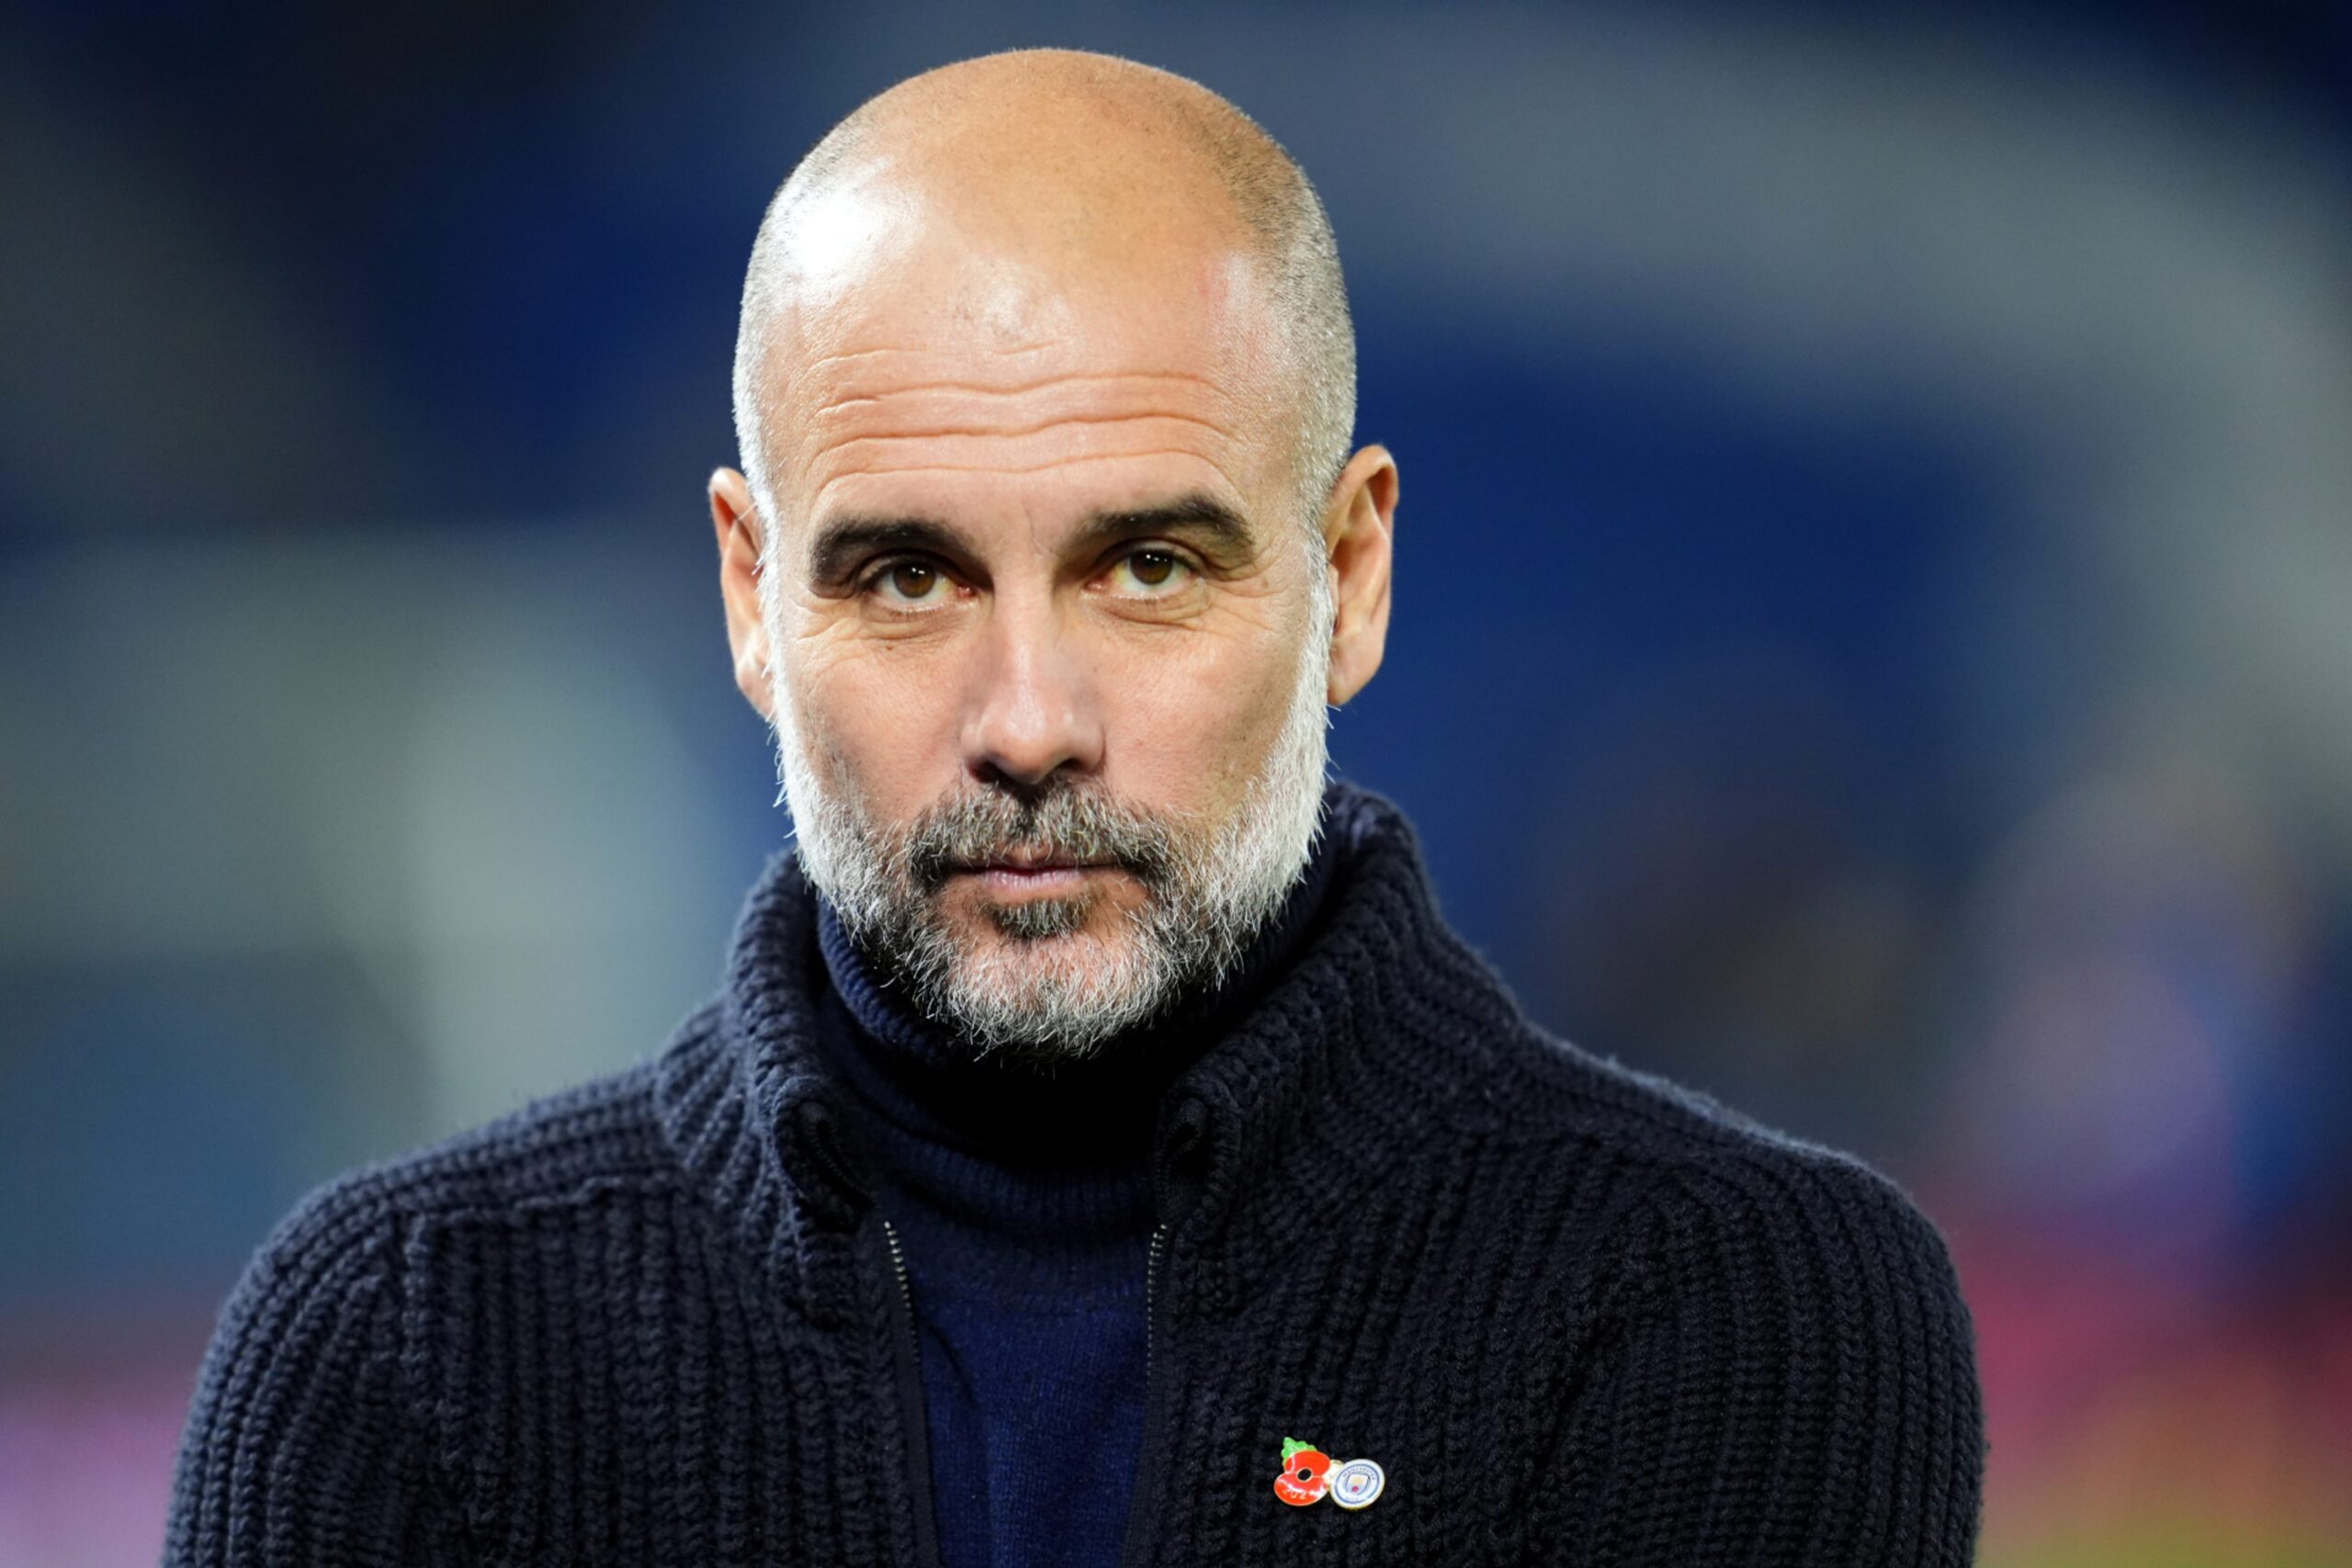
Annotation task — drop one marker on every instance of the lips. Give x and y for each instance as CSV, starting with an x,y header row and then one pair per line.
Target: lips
x,y
1038,878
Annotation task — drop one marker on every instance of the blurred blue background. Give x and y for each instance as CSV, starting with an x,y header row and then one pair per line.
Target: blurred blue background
x,y
1873,632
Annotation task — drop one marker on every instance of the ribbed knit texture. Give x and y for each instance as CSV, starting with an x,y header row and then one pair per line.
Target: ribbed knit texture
x,y
1581,1314
1023,1200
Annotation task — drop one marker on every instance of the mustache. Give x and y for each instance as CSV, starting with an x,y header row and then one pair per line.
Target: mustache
x,y
1064,823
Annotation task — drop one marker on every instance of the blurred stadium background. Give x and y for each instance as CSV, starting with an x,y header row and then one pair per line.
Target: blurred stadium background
x,y
1873,633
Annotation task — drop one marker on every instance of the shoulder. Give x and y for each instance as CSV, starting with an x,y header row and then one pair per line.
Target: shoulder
x,y
1714,1197
311,1379
348,1234
1781,1327
309,1428
561,1149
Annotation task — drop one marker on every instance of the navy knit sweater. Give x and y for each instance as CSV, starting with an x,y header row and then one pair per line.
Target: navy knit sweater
x,y
1024,1199
1577,1313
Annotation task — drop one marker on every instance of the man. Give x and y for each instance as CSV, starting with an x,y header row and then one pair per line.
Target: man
x,y
1101,1150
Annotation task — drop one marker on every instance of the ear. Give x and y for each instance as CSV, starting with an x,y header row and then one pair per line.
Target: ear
x,y
738,526
1357,521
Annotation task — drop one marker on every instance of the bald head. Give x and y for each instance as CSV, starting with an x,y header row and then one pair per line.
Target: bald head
x,y
1020,199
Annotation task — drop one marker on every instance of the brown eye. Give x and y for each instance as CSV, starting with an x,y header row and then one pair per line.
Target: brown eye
x,y
1154,570
907,583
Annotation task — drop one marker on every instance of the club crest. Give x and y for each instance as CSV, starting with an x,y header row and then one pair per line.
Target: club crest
x,y
1309,1475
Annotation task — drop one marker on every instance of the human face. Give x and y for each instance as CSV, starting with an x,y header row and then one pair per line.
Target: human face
x,y
1051,647
1030,970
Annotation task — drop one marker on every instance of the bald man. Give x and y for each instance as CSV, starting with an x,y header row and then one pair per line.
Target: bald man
x,y
1101,1151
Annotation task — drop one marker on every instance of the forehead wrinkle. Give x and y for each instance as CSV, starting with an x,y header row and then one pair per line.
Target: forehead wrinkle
x,y
1013,432
1069,377
980,427
1100,437
847,361
818,499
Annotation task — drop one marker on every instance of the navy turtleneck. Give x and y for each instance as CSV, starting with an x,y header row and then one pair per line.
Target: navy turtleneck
x,y
1023,1200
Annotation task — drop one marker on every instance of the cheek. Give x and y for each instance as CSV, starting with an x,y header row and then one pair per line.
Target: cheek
x,y
882,718
1199,720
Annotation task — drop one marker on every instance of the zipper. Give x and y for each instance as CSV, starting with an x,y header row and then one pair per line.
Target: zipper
x,y
1147,1488
914,1414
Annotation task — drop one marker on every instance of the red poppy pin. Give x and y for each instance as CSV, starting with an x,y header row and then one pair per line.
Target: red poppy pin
x,y
1309,1474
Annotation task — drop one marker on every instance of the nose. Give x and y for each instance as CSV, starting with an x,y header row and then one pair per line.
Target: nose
x,y
1034,708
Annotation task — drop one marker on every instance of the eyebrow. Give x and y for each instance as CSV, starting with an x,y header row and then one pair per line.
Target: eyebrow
x,y
1221,533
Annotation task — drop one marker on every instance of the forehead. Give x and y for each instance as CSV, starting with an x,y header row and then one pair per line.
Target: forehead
x,y
931,357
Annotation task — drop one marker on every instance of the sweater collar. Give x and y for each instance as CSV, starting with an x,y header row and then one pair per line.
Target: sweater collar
x,y
1382,1025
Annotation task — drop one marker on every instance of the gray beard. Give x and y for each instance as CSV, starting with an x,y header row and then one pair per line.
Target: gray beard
x,y
1043,994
